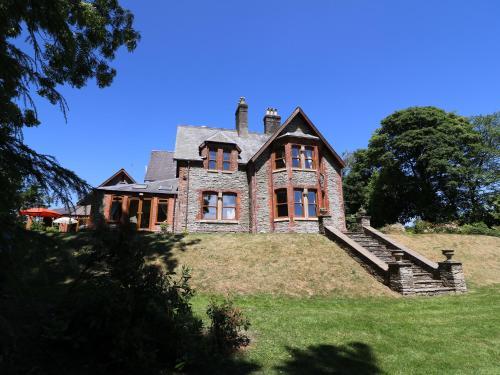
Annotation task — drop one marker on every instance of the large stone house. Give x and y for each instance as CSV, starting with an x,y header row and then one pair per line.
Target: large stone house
x,y
233,180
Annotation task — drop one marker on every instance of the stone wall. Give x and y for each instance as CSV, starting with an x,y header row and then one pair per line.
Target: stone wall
x,y
333,181
262,196
196,179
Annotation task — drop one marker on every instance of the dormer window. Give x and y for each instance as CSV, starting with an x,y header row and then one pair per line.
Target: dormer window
x,y
226,160
212,158
221,158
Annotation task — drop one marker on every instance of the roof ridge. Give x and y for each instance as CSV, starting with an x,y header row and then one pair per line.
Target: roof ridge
x,y
216,128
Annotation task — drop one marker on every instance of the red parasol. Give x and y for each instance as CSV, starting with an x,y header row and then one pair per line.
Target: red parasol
x,y
40,212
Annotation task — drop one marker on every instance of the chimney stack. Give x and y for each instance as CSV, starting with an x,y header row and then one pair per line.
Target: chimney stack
x,y
272,120
242,118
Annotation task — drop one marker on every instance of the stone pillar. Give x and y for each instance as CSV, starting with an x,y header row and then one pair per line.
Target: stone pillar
x,y
451,272
321,223
401,275
362,219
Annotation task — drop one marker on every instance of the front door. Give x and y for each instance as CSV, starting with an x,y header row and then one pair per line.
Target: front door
x,y
139,212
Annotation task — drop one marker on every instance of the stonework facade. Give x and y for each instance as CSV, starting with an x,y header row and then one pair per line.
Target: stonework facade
x,y
285,179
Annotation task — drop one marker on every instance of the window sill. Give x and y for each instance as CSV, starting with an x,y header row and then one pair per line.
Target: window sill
x,y
304,170
218,221
305,219
279,170
279,219
217,171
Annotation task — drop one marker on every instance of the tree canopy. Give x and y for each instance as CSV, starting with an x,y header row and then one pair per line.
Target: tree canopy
x,y
428,164
45,44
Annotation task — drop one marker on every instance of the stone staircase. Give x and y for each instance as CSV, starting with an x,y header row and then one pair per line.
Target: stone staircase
x,y
395,265
425,281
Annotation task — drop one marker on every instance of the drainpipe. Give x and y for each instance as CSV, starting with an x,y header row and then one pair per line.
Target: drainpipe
x,y
187,195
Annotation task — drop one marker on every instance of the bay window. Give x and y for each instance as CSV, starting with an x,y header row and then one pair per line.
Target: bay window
x,y
305,203
281,203
296,156
309,157
279,157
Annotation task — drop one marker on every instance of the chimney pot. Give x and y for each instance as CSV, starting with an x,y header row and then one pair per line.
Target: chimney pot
x,y
272,120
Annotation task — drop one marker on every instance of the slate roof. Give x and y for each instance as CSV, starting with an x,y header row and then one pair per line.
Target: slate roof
x,y
189,138
162,166
157,187
77,211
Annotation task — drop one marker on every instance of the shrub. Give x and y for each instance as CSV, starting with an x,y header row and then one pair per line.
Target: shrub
x,y
228,324
393,228
479,228
164,228
422,226
52,229
38,226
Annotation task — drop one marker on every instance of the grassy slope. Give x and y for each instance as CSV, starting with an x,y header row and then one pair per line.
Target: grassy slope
x,y
480,255
308,264
297,265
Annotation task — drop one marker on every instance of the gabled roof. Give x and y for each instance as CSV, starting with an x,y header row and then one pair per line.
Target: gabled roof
x,y
122,172
297,112
162,166
189,138
219,137
156,187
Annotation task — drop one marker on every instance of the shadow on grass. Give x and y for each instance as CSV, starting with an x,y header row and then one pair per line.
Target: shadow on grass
x,y
353,358
161,246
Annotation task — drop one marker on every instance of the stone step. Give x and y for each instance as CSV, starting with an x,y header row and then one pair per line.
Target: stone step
x,y
433,291
426,282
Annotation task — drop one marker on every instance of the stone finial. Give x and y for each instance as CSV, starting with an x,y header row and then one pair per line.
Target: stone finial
x,y
398,255
242,100
362,218
448,253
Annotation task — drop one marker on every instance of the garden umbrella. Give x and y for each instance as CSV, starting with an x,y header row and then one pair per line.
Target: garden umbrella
x,y
40,212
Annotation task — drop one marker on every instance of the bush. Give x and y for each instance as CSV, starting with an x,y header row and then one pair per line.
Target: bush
x,y
393,228
38,226
228,324
481,228
422,226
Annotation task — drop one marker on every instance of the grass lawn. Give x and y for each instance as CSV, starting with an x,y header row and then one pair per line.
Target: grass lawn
x,y
312,308
457,334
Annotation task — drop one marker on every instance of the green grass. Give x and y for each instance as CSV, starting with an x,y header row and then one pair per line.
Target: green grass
x,y
293,332
456,334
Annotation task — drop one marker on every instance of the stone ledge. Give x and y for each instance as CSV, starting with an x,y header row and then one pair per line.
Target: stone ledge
x,y
218,221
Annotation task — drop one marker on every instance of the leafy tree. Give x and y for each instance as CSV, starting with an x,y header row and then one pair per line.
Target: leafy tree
x,y
356,177
422,154
32,196
429,164
45,44
483,180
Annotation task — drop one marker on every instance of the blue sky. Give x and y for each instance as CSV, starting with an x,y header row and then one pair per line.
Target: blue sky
x,y
348,64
